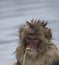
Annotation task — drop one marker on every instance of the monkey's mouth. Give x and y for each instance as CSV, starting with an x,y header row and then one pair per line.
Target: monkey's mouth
x,y
32,48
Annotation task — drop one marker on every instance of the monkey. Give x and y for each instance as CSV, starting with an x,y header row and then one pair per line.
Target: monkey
x,y
35,45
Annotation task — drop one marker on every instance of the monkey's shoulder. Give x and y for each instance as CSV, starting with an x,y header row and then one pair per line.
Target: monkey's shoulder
x,y
53,54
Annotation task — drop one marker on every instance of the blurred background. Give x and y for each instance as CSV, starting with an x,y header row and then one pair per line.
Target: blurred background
x,y
14,13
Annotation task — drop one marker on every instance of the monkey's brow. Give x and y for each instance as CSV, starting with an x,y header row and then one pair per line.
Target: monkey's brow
x,y
32,33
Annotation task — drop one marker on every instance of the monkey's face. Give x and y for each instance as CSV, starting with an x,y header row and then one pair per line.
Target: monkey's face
x,y
31,42
34,36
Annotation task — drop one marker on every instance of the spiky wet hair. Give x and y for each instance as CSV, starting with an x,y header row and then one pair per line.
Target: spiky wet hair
x,y
39,26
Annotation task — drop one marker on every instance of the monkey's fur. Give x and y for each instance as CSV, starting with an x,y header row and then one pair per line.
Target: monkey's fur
x,y
47,51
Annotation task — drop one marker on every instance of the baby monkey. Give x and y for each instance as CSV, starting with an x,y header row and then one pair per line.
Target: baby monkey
x,y
35,45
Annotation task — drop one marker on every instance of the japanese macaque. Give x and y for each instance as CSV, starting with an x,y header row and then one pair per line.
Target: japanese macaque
x,y
35,45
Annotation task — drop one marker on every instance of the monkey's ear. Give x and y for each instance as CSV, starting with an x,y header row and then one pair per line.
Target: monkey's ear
x,y
48,34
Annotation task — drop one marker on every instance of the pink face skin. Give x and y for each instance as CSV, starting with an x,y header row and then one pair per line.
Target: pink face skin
x,y
32,43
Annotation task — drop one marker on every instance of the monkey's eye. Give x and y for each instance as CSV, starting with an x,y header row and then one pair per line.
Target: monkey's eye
x,y
27,39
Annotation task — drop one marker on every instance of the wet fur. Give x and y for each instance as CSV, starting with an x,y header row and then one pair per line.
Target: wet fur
x,y
48,53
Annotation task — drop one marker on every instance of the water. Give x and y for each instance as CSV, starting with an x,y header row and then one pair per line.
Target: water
x,y
14,13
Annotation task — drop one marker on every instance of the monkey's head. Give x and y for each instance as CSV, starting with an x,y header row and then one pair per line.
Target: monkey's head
x,y
35,36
